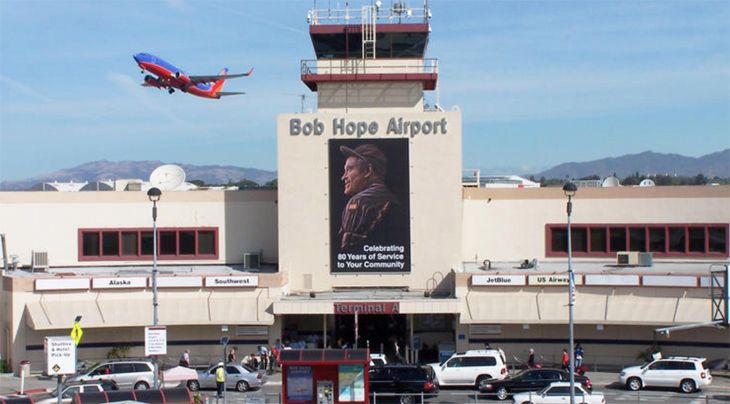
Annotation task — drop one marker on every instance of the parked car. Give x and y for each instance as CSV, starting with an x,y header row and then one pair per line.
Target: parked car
x,y
68,392
529,380
471,367
683,372
559,393
239,377
377,359
138,374
404,384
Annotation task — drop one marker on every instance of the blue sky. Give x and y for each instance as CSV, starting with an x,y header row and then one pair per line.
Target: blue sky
x,y
538,83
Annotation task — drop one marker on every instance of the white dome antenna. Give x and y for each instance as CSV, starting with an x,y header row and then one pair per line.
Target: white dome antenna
x,y
167,177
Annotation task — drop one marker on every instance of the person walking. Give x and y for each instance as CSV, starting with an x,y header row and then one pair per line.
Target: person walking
x,y
531,359
185,358
578,356
220,379
565,361
398,358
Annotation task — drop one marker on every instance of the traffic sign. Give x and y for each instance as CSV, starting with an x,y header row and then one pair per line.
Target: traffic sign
x,y
60,355
76,333
155,340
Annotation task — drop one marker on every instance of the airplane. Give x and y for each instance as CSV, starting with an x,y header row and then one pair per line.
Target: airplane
x,y
170,77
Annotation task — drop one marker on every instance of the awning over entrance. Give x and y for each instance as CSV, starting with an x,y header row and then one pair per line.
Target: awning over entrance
x,y
410,306
59,310
594,305
132,309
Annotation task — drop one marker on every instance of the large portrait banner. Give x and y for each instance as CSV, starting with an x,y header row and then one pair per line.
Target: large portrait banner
x,y
369,205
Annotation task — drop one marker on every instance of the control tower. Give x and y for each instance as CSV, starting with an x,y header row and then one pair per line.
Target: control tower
x,y
370,183
373,56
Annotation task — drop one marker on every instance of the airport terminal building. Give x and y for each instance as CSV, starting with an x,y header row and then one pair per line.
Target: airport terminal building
x,y
373,238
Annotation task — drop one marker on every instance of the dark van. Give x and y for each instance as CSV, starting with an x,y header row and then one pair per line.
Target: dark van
x,y
404,384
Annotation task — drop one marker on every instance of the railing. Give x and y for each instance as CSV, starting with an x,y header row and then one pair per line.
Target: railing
x,y
359,66
396,14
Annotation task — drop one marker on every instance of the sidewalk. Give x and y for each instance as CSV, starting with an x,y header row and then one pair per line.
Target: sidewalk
x,y
10,384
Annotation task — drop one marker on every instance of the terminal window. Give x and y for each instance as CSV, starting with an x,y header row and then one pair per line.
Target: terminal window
x,y
137,244
663,240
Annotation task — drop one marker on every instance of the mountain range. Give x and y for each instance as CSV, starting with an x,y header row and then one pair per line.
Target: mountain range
x,y
649,163
646,163
104,170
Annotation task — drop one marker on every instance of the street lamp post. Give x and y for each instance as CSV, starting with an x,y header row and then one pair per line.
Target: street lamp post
x,y
570,189
154,195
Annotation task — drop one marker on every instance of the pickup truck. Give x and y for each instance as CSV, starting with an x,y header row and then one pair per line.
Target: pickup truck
x,y
68,393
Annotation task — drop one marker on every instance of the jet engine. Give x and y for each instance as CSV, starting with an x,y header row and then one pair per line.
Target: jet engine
x,y
151,81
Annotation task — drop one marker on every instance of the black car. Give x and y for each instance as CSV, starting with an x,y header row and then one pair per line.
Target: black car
x,y
529,380
404,384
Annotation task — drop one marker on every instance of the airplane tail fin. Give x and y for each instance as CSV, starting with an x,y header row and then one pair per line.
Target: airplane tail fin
x,y
218,84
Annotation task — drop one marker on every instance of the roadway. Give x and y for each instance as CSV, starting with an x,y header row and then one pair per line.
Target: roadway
x,y
717,393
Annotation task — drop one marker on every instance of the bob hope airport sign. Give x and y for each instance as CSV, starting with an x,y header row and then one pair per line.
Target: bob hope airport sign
x,y
344,127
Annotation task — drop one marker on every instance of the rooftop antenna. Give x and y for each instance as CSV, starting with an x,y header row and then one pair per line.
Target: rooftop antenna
x,y
167,177
302,97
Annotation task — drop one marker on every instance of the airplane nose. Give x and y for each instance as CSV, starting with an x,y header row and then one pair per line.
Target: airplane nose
x,y
136,57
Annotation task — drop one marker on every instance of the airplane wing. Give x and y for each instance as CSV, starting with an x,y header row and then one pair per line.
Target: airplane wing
x,y
208,79
225,93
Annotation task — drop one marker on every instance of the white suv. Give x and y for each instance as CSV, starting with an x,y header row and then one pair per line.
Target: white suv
x,y
471,367
684,372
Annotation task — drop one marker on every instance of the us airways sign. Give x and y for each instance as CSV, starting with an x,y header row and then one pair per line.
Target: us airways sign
x,y
394,126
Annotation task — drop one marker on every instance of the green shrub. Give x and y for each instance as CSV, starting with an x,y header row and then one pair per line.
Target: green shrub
x,y
118,352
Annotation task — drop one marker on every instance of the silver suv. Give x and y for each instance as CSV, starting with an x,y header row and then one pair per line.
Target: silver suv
x,y
686,373
126,374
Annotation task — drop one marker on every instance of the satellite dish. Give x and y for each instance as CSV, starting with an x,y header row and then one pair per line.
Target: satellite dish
x,y
646,182
167,177
611,182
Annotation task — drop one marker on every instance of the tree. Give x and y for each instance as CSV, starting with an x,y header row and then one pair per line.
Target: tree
x,y
273,184
246,184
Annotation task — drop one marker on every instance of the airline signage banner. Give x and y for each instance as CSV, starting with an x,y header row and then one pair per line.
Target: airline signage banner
x,y
498,280
119,283
670,281
611,280
231,281
553,280
179,281
62,284
369,206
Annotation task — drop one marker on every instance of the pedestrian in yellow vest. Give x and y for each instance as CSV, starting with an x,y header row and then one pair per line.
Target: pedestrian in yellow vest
x,y
220,379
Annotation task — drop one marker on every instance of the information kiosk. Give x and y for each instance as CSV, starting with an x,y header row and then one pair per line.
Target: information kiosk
x,y
325,376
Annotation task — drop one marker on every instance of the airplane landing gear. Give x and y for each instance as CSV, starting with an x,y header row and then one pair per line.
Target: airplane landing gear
x,y
170,90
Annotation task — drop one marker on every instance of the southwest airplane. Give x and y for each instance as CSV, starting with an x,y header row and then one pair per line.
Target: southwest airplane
x,y
171,78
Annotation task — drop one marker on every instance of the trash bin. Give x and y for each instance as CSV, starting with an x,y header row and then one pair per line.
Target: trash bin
x,y
25,368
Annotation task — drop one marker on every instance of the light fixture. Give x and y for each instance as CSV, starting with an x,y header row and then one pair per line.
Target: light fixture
x,y
154,194
570,189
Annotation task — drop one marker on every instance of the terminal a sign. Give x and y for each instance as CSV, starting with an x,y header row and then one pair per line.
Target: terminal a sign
x,y
367,308
344,127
